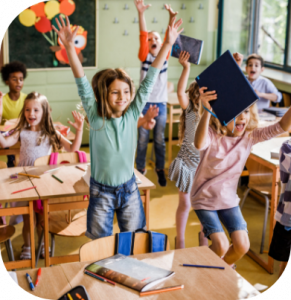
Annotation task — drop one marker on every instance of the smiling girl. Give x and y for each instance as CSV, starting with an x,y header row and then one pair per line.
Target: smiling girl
x,y
38,137
223,153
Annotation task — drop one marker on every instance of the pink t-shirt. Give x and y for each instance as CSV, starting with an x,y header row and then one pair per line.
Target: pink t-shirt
x,y
221,163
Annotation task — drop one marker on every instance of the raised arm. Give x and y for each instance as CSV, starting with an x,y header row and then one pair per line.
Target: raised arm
x,y
172,14
1,106
141,8
238,58
67,38
182,84
202,128
6,142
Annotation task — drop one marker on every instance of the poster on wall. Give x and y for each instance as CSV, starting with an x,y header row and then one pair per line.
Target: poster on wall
x,y
33,41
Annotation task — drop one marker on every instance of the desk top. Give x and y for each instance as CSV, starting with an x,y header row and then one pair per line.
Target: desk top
x,y
173,99
9,185
203,283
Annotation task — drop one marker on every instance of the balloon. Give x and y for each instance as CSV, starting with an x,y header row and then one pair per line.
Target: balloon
x,y
27,18
58,16
67,7
52,8
43,25
38,9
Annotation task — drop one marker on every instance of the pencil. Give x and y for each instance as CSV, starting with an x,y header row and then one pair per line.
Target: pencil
x,y
58,179
32,187
69,296
28,175
202,266
51,170
80,168
158,291
100,277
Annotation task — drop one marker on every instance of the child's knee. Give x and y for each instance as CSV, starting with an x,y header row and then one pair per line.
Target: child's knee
x,y
241,244
221,245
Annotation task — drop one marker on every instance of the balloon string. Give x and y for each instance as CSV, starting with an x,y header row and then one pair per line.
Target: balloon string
x,y
48,39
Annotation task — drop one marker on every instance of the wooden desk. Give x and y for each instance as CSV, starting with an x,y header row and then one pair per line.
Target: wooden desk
x,y
7,186
74,185
261,153
198,283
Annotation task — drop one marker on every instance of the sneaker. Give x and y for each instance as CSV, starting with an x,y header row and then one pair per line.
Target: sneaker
x,y
161,177
142,171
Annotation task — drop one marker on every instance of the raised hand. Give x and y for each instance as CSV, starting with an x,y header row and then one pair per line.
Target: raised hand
x,y
150,125
173,31
151,113
140,6
79,120
238,58
170,10
206,97
183,59
65,33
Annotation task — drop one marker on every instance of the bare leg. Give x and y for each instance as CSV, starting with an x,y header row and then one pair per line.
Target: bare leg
x,y
203,240
282,267
182,214
219,244
26,231
240,246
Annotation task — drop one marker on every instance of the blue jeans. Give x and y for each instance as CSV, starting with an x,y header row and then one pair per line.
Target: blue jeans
x,y
231,218
105,200
159,138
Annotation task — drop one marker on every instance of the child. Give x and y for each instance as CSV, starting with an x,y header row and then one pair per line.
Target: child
x,y
281,242
113,136
150,46
222,158
38,138
264,87
13,75
183,168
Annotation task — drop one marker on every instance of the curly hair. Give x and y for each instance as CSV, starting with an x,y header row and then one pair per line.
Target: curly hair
x,y
253,122
14,66
194,95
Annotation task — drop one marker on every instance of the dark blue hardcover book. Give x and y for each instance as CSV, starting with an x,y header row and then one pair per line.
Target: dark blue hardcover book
x,y
234,92
191,45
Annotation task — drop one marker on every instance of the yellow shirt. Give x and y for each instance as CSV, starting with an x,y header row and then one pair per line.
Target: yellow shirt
x,y
12,109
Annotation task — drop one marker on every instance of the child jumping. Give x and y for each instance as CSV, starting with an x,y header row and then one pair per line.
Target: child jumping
x,y
183,168
113,136
222,158
150,46
38,138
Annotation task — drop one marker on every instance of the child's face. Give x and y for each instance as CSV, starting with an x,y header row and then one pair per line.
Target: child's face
x,y
241,123
33,112
118,97
15,82
254,69
155,43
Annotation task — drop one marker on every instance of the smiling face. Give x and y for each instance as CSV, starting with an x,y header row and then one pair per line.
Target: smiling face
x,y
119,97
33,113
15,82
241,123
254,69
155,43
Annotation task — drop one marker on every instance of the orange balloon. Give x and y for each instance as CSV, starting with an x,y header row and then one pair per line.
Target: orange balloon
x,y
38,9
67,7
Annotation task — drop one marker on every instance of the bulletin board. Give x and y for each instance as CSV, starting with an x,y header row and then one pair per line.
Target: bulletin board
x,y
33,42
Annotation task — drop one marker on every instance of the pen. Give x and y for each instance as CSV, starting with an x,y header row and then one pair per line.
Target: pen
x,y
30,282
80,168
32,187
58,179
201,266
38,277
158,291
99,277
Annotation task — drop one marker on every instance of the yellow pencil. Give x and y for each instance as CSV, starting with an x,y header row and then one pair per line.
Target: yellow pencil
x,y
28,175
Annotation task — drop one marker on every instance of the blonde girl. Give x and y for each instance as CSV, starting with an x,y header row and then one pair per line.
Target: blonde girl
x,y
38,137
223,153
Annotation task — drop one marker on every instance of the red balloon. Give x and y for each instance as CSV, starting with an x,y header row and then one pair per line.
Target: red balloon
x,y
67,7
38,9
43,25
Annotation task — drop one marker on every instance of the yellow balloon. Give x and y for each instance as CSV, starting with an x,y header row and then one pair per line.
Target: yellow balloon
x,y
52,8
27,17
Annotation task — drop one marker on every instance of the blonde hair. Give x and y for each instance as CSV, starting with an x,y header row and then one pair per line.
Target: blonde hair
x,y
194,95
46,124
253,122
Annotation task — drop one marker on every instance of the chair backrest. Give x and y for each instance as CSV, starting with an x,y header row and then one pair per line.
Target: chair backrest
x,y
287,99
71,157
3,165
105,247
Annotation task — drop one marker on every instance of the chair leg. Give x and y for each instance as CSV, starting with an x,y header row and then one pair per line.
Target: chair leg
x,y
265,223
39,248
9,246
8,250
53,244
244,198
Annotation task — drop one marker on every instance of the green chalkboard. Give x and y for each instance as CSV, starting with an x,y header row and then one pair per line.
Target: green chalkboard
x,y
29,46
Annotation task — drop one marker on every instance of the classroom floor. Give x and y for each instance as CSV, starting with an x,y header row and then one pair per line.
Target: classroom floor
x,y
163,206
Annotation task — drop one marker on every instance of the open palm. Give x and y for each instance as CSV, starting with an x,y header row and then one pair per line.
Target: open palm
x,y
140,6
79,120
173,30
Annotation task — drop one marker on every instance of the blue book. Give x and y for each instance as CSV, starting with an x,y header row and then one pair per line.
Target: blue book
x,y
191,45
234,92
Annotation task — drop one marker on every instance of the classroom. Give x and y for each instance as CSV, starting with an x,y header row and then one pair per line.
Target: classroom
x,y
145,149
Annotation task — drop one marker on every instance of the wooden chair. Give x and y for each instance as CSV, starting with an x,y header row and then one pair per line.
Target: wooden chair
x,y
70,224
287,99
260,182
6,231
104,247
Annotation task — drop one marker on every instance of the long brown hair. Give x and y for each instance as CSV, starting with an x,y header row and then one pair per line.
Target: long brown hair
x,y
46,124
193,94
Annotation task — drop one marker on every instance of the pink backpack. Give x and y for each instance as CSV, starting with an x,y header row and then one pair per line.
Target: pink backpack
x,y
37,205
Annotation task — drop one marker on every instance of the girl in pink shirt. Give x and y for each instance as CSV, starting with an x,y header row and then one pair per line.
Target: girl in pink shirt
x,y
223,154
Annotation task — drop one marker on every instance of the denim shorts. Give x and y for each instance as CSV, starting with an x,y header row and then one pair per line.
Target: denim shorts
x,y
105,200
231,218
